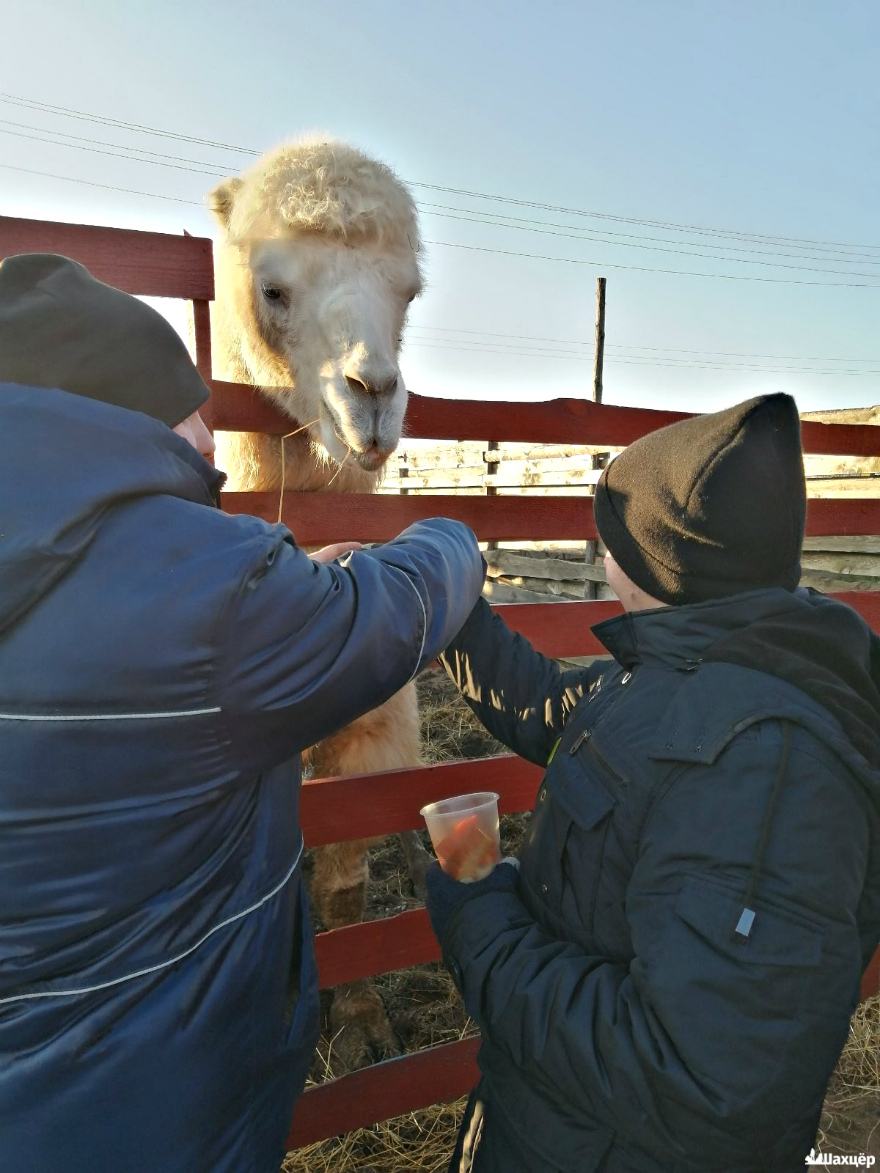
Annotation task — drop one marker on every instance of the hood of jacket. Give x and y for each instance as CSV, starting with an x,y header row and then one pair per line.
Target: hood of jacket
x,y
64,462
813,642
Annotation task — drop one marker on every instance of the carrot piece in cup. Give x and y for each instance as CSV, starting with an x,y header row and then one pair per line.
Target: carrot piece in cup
x,y
464,834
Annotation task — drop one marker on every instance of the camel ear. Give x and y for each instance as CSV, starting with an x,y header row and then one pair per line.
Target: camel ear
x,y
222,199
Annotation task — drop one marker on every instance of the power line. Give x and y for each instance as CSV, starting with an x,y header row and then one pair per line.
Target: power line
x,y
502,220
497,251
447,211
35,105
658,249
758,238
476,348
645,269
113,154
105,186
197,167
65,111
78,138
491,218
631,346
535,352
630,359
182,165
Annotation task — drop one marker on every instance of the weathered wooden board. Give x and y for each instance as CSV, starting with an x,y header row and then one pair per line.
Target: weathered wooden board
x,y
500,592
859,543
843,562
238,407
510,562
433,1076
374,947
152,264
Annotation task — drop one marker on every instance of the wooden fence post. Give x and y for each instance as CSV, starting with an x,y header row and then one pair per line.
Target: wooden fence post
x,y
491,488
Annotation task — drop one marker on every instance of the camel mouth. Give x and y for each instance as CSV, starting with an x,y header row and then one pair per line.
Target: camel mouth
x,y
372,458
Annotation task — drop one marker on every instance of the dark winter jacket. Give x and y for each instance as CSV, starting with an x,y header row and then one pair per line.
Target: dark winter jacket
x,y
162,665
671,986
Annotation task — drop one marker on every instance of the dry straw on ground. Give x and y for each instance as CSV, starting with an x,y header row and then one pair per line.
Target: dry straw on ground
x,y
425,1008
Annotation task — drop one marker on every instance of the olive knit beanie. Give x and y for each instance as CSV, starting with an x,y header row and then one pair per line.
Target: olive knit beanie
x,y
62,328
709,506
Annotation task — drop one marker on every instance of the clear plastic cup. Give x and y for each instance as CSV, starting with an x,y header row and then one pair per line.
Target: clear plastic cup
x,y
464,834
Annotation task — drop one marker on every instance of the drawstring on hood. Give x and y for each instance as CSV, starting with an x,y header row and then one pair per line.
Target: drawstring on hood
x,y
828,652
810,641
746,920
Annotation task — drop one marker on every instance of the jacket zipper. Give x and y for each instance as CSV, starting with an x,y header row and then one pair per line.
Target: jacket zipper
x,y
586,734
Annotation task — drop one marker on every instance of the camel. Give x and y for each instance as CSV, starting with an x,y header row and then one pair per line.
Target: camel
x,y
315,270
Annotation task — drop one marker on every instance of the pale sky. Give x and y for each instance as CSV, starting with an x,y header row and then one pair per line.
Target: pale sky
x,y
682,128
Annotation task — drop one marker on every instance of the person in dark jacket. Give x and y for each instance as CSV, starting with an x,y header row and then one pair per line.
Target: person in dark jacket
x,y
666,983
162,665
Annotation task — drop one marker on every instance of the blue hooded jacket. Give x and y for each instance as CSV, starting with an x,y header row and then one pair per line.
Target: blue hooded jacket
x,y
162,665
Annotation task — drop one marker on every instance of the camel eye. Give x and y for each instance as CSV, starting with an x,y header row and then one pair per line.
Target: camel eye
x,y
271,292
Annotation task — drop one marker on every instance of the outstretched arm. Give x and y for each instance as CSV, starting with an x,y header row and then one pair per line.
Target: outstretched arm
x,y
311,646
522,697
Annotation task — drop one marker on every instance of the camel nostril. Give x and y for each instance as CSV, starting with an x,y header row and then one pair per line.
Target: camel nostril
x,y
366,384
355,385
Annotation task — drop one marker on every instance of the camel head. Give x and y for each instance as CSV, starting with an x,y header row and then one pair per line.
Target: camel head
x,y
316,268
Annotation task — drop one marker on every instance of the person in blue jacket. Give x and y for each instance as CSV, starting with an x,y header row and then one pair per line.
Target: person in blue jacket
x,y
665,984
162,665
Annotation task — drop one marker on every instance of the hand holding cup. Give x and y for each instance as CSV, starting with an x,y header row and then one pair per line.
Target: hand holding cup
x,y
465,835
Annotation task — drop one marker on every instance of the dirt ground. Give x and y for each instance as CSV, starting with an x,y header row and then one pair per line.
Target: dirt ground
x,y
425,1009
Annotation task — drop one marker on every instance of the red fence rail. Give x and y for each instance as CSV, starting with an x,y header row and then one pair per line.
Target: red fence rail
x,y
170,266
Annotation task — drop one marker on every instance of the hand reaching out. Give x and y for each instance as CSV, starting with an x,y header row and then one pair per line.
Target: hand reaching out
x,y
331,553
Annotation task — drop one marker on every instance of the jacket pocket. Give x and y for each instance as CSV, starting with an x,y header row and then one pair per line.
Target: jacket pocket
x,y
587,808
770,976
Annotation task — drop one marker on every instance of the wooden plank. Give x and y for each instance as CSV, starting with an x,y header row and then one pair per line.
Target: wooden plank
x,y
433,1076
448,479
503,592
871,978
828,582
334,810
318,518
202,338
845,562
555,421
843,517
863,545
554,591
374,947
564,628
560,569
152,264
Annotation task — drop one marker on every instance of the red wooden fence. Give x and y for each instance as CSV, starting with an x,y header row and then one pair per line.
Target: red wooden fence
x,y
334,809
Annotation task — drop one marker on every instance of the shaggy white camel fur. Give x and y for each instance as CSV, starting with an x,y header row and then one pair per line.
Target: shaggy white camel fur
x,y
317,264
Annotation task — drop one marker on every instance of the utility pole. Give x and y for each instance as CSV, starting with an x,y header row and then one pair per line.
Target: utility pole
x,y
599,355
591,589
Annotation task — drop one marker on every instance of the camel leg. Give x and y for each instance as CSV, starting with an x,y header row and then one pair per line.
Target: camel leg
x,y
358,1021
418,860
386,738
